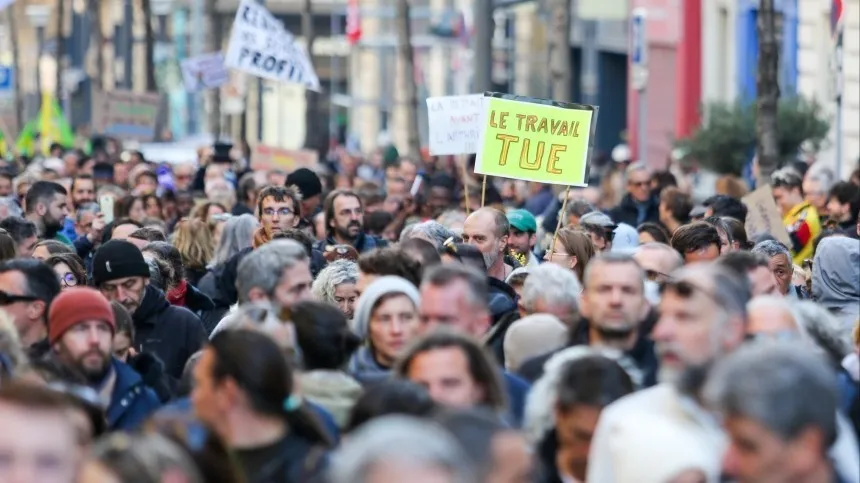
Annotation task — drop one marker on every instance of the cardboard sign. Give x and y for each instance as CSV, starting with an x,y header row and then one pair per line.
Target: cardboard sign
x,y
763,215
261,46
125,115
455,124
268,157
535,140
205,71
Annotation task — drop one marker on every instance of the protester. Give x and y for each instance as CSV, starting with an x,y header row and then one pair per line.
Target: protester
x,y
522,236
455,370
171,333
386,318
600,228
244,392
754,379
23,232
69,269
45,248
697,242
36,430
702,317
47,207
799,217
638,205
28,287
573,249
399,448
674,209
344,213
779,261
836,279
336,285
326,343
81,330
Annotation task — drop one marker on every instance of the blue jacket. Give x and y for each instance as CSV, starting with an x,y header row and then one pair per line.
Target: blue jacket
x,y
131,401
517,389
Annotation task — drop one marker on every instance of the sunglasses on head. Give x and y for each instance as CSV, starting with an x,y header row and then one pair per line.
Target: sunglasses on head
x,y
685,289
9,299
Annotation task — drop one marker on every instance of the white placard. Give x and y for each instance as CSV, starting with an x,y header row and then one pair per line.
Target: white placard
x,y
261,46
205,71
455,124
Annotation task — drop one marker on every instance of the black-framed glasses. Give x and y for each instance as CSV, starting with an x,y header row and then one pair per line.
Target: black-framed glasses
x,y
9,299
279,211
69,279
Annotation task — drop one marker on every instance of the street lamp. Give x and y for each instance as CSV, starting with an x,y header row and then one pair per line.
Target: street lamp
x,y
39,16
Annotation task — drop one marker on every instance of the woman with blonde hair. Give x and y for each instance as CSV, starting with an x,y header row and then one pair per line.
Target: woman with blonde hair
x,y
194,242
573,250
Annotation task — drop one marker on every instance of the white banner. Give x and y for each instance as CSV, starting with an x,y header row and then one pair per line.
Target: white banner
x,y
261,46
205,71
455,124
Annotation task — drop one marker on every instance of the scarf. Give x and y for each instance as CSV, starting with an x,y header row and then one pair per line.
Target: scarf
x,y
177,295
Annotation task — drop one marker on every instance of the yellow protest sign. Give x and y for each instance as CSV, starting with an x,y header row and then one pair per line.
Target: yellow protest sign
x,y
536,140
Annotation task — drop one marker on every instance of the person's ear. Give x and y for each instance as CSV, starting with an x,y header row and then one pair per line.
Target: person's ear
x,y
41,209
36,310
573,261
584,305
533,240
734,333
504,243
296,220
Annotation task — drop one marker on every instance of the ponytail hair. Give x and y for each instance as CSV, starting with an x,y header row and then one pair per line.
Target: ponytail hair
x,y
260,369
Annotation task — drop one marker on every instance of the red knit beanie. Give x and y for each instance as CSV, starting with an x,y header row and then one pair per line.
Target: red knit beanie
x,y
76,305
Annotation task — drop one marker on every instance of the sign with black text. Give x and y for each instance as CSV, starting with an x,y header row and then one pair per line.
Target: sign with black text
x,y
261,46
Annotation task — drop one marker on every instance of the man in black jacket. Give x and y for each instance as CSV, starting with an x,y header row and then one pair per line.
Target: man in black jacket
x,y
638,205
169,332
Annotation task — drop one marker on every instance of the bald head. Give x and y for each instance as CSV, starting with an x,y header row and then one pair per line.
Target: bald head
x,y
770,315
489,218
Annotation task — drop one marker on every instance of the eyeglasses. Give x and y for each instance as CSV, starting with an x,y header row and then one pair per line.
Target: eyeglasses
x,y
655,276
280,211
9,299
69,279
639,184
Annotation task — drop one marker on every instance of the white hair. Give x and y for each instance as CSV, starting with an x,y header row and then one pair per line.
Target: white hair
x,y
552,284
402,441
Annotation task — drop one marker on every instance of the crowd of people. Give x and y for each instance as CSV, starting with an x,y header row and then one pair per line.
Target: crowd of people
x,y
368,320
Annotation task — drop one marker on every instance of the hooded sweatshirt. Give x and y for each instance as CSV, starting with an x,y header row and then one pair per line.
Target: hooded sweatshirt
x,y
836,278
363,366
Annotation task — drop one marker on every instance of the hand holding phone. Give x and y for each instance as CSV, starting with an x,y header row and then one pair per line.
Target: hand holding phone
x,y
106,207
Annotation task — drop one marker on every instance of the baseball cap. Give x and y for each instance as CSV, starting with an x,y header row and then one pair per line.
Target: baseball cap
x,y
522,220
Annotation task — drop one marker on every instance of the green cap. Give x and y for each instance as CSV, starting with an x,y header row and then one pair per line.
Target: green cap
x,y
522,220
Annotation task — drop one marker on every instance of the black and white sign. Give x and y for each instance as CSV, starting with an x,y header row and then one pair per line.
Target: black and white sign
x,y
205,71
261,46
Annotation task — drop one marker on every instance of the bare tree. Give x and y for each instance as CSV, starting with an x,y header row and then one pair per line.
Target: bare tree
x,y
149,44
61,50
767,93
483,64
16,63
561,73
94,7
407,62
314,129
213,41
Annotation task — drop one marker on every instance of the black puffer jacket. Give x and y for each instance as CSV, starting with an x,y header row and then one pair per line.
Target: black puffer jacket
x,y
170,333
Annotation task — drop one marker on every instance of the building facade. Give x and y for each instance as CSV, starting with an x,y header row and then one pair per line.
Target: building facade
x,y
816,79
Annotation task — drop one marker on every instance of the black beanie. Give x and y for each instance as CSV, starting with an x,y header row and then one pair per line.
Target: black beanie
x,y
306,181
118,259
